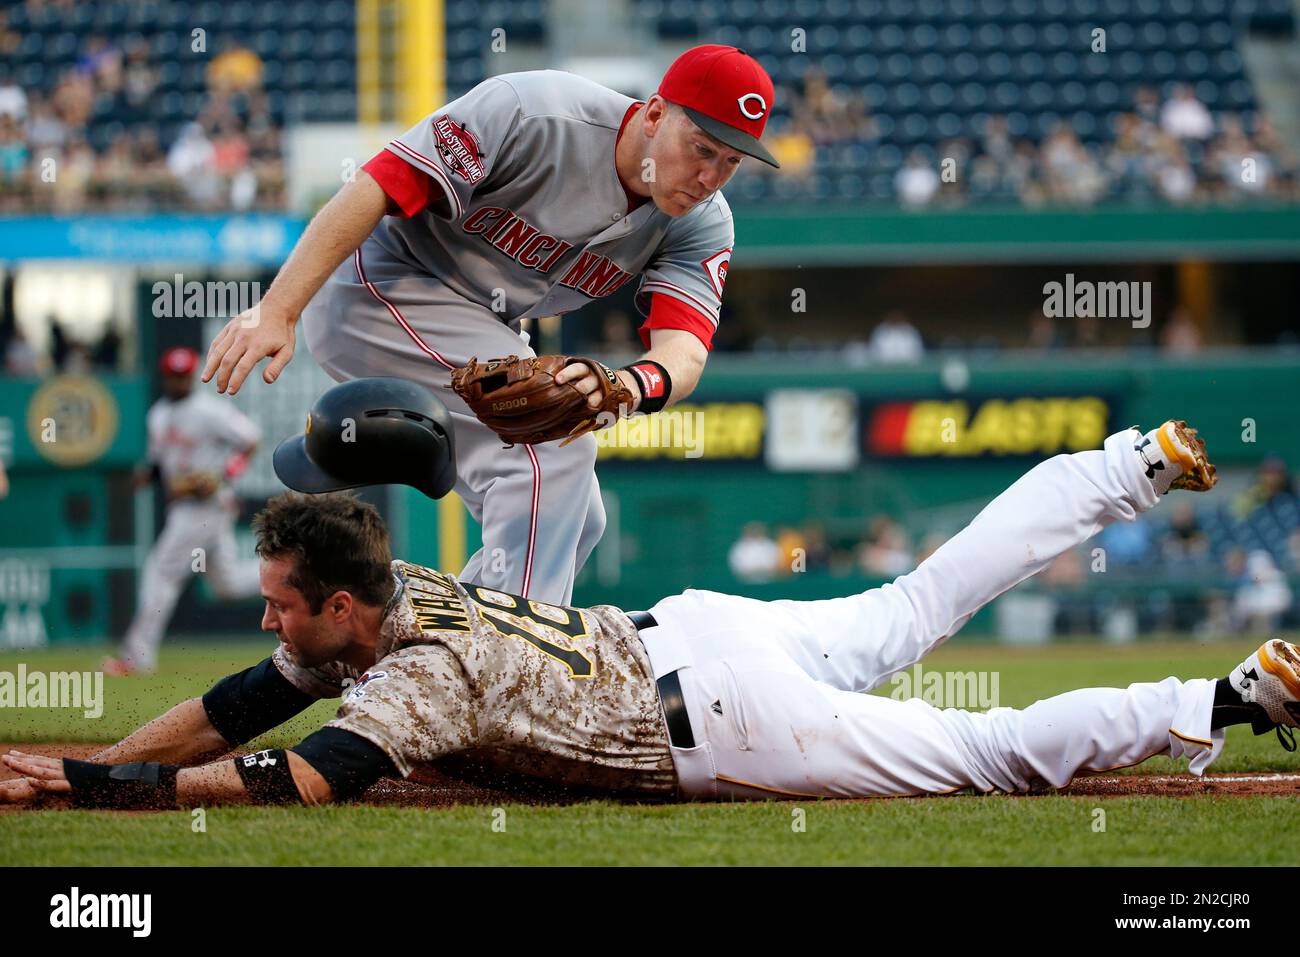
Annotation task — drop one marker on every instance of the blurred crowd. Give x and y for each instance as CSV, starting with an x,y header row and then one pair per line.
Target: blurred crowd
x,y
1216,571
89,144
1173,151
895,339
883,550
65,353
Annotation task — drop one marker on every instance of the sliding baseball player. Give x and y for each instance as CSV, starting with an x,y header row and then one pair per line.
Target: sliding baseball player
x,y
707,696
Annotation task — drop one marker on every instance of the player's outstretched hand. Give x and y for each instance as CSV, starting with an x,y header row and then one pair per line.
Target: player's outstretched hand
x,y
250,337
16,791
41,775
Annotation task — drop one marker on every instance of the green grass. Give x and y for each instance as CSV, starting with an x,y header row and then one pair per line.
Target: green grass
x,y
961,830
929,831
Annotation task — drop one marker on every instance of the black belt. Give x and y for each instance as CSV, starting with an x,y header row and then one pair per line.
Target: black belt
x,y
680,734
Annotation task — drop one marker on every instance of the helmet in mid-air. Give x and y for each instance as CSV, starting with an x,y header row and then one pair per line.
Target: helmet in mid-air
x,y
372,431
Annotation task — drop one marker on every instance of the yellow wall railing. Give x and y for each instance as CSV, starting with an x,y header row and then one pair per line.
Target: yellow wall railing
x,y
401,60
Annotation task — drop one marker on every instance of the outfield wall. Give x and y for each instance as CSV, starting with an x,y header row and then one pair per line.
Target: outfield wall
x,y
838,445
784,446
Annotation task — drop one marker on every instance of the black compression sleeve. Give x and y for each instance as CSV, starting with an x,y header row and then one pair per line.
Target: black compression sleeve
x,y
259,698
347,761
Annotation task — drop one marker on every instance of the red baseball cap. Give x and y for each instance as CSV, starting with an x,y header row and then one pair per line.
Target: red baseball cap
x,y
179,360
726,93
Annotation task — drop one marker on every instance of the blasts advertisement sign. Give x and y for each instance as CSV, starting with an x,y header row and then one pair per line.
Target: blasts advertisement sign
x,y
1034,426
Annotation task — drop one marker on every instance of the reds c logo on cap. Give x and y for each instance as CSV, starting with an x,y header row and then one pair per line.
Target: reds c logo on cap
x,y
762,106
726,93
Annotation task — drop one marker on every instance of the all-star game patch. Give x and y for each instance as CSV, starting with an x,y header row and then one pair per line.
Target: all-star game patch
x,y
459,149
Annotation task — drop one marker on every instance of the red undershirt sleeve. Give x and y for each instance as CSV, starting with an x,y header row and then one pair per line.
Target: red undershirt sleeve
x,y
667,312
411,189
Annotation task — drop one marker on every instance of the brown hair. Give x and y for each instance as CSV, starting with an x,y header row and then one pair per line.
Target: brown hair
x,y
337,543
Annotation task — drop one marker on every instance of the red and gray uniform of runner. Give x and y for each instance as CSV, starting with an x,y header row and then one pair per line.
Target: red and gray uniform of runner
x,y
512,208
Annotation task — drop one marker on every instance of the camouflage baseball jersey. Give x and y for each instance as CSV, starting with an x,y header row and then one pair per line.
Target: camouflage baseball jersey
x,y
519,686
534,210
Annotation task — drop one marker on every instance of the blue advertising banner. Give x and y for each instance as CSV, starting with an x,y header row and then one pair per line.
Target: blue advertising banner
x,y
257,239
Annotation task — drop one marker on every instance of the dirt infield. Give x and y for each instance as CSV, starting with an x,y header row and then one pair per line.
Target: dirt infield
x,y
430,789
1186,785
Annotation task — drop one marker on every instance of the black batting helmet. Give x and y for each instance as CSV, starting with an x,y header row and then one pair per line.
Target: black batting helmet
x,y
372,431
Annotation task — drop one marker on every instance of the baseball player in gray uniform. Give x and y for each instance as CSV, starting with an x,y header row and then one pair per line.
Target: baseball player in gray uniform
x,y
197,445
530,196
706,696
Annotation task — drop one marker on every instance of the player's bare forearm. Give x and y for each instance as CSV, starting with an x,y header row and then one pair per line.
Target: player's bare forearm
x,y
680,352
267,330
219,783
183,735
211,784
683,355
333,234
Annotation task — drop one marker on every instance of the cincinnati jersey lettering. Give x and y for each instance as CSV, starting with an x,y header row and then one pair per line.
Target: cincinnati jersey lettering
x,y
510,234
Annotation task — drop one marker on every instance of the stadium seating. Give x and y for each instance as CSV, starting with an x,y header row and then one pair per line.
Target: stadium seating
x,y
308,50
926,71
1266,529
934,70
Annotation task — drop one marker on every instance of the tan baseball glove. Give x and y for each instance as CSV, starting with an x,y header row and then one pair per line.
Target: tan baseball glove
x,y
194,485
519,400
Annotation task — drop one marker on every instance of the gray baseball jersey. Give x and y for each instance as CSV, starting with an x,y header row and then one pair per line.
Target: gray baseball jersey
x,y
560,694
533,208
514,208
198,433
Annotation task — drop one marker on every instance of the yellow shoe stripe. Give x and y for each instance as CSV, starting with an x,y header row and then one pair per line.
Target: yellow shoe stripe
x,y
1173,453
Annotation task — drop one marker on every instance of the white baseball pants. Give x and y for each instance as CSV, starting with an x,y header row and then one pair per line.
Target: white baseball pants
x,y
774,690
190,525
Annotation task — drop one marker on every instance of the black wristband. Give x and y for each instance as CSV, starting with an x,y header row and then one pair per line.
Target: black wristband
x,y
140,785
267,777
653,381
